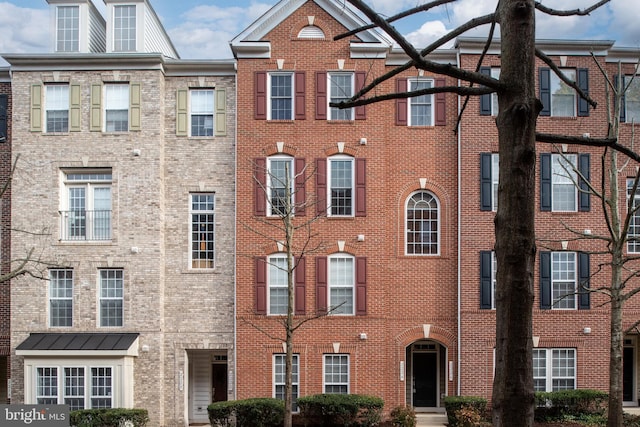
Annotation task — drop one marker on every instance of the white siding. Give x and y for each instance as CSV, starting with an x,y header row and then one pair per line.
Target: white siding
x,y
155,37
97,30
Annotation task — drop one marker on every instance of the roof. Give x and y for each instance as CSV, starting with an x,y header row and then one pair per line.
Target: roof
x,y
77,342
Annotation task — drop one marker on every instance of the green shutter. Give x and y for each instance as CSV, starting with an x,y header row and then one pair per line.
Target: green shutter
x,y
36,108
181,112
74,108
95,122
221,112
135,104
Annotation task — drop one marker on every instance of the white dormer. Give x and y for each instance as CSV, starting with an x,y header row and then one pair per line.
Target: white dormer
x,y
78,27
133,26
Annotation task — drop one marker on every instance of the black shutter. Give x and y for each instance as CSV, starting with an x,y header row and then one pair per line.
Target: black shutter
x,y
545,91
485,100
584,197
583,84
486,191
584,274
545,182
485,280
545,280
4,105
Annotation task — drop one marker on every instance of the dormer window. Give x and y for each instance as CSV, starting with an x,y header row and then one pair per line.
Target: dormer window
x,y
67,29
124,28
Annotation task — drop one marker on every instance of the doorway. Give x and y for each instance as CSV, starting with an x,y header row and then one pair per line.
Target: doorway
x,y
426,374
207,383
628,371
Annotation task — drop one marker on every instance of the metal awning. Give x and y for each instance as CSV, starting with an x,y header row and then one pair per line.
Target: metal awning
x,y
96,344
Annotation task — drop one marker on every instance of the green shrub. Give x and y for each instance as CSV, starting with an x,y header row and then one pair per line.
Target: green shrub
x,y
256,412
453,404
403,416
558,404
117,417
347,410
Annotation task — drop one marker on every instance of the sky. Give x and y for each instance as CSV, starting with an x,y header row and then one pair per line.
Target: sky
x,y
202,29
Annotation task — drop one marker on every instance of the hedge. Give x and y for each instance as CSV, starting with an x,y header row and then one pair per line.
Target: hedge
x,y
256,412
117,417
455,403
346,410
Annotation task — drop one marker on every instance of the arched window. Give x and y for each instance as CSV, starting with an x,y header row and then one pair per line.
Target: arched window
x,y
311,32
423,224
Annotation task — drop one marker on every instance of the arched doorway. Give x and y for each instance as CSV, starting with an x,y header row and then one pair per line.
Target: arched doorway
x,y
426,373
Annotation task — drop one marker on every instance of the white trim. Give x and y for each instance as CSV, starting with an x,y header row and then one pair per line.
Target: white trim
x,y
341,157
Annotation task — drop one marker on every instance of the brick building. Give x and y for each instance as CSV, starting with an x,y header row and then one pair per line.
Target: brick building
x,y
126,183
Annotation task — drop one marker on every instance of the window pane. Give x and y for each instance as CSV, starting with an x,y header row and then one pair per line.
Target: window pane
x,y
632,100
117,107
421,106
279,376
101,392
124,28
341,285
633,245
341,187
202,112
422,224
278,285
111,297
336,374
495,174
564,179
563,97
563,276
281,97
57,108
67,33
47,386
341,89
74,388
202,230
280,174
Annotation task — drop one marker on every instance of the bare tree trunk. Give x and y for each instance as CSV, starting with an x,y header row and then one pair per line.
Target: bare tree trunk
x,y
289,327
615,417
513,399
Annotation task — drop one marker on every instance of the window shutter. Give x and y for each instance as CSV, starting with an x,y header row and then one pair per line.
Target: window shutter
x,y
182,119
321,95
618,82
95,118
441,103
361,188
485,100
36,108
486,190
361,111
321,186
584,196
545,280
260,187
402,104
221,112
4,113
584,274
321,284
361,286
545,91
135,106
300,284
583,84
300,87
485,280
74,108
260,275
260,90
545,182
300,187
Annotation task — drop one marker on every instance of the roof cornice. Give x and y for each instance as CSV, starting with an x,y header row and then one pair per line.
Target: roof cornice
x,y
83,61
475,45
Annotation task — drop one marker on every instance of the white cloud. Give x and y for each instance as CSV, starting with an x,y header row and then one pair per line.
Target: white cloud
x,y
22,29
624,22
427,33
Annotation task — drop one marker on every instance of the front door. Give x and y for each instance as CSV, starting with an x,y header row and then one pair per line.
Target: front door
x,y
627,374
425,380
219,382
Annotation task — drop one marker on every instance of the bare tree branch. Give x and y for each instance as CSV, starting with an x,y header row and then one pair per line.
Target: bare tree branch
x,y
564,78
574,12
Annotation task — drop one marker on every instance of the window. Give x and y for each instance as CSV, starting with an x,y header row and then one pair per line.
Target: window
x,y
336,373
423,219
278,284
71,389
564,182
563,97
67,31
124,28
489,174
202,230
86,209
633,238
562,372
281,96
202,112
340,89
489,102
341,186
558,98
279,376
564,280
421,106
488,271
631,107
60,297
101,391
280,174
57,102
341,279
116,105
111,297
74,389
47,386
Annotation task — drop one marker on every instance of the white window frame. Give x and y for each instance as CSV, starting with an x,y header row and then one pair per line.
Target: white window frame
x,y
70,40
557,85
341,285
209,261
332,379
495,73
207,111
632,95
409,221
279,377
550,356
494,278
92,221
67,397
633,237
344,114
422,100
563,175
273,97
109,389
119,43
51,373
495,176
56,102
330,186
61,389
271,178
55,291
277,280
116,100
561,277
108,294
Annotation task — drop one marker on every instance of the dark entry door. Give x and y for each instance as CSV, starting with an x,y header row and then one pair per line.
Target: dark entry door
x,y
627,374
219,382
425,380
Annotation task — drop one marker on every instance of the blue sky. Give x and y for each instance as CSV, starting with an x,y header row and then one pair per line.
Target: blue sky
x,y
202,28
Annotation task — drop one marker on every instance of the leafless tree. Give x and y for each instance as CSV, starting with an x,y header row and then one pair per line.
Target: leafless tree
x,y
512,400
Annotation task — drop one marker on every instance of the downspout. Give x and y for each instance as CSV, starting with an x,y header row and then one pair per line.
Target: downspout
x,y
234,373
459,238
